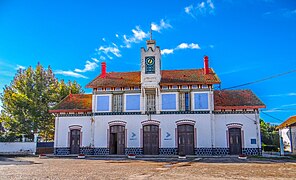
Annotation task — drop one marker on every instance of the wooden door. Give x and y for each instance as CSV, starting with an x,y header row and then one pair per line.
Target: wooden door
x,y
235,141
75,141
117,139
151,139
186,139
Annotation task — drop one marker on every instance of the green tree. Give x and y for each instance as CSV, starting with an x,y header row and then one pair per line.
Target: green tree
x,y
269,135
28,98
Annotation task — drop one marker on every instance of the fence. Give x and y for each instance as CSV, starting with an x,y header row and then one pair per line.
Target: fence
x,y
44,148
17,147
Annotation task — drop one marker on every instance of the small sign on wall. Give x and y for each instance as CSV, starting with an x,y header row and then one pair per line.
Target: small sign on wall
x,y
168,136
133,136
253,141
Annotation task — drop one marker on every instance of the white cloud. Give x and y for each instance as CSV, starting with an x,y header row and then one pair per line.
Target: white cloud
x,y
113,50
211,4
285,13
102,58
20,67
117,35
280,95
188,10
288,105
114,44
162,25
202,8
167,51
95,59
201,5
188,46
89,66
70,73
138,36
180,47
103,39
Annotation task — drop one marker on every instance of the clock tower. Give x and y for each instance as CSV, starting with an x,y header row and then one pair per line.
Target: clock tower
x,y
150,76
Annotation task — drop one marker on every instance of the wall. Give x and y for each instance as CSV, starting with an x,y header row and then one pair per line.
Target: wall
x,y
167,129
293,139
167,125
62,130
17,147
248,127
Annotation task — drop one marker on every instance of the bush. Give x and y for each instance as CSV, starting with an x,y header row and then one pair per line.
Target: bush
x,y
270,148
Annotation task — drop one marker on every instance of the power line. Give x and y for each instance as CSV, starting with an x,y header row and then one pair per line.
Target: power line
x,y
264,79
272,116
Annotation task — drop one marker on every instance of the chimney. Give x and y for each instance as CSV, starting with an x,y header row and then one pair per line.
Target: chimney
x,y
103,70
206,65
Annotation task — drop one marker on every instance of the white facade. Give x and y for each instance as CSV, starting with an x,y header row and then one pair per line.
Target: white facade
x,y
288,138
210,130
155,118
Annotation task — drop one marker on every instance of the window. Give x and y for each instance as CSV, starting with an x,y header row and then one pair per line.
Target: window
x,y
132,102
201,101
102,103
117,103
168,101
150,102
184,99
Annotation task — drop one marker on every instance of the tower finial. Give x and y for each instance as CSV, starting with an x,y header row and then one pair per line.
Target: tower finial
x,y
150,31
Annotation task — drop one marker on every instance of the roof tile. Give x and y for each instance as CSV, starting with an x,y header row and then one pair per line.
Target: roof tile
x,y
168,77
236,99
74,103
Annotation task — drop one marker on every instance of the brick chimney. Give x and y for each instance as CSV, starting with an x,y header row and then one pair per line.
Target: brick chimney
x,y
206,65
103,70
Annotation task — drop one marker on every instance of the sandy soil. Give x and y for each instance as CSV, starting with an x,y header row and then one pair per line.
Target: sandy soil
x,y
205,168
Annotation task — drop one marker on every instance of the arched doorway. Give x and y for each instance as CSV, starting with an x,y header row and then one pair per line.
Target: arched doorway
x,y
117,139
235,141
151,139
74,141
185,139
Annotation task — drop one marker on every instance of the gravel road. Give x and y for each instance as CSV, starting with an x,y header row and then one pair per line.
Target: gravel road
x,y
91,168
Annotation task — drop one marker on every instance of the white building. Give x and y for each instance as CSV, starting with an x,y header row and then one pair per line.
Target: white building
x,y
156,111
287,133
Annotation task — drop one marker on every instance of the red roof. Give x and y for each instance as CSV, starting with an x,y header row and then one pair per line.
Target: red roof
x,y
74,103
168,77
236,99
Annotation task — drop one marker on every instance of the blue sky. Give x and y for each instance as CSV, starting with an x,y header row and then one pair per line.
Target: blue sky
x,y
245,40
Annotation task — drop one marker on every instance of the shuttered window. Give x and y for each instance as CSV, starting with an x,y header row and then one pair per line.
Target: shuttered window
x,y
184,101
117,103
150,102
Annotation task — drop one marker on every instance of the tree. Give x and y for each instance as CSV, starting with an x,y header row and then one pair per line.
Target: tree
x,y
269,135
28,98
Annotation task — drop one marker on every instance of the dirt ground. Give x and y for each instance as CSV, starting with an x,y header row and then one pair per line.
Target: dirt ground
x,y
199,168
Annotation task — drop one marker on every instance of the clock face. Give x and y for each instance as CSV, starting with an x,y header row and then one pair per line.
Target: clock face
x,y
150,64
150,60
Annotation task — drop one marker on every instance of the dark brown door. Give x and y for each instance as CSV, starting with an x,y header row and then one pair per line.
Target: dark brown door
x,y
151,139
117,139
186,139
235,141
74,141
